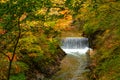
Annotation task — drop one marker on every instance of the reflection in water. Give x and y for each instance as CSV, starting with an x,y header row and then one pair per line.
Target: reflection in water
x,y
72,68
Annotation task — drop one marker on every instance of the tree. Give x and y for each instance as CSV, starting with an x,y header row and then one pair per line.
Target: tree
x,y
13,25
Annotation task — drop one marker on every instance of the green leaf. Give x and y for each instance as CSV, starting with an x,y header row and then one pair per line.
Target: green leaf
x,y
20,76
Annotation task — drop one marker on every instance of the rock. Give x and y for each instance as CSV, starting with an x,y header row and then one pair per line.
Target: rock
x,y
91,64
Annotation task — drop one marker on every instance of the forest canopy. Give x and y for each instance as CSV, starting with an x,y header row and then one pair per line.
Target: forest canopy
x,y
30,32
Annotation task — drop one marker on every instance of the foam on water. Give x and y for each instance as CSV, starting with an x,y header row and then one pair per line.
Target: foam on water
x,y
76,51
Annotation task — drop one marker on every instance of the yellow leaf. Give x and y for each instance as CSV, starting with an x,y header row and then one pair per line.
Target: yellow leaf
x,y
33,55
23,16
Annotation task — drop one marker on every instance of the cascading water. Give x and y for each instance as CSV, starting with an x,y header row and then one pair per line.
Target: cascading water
x,y
72,45
73,65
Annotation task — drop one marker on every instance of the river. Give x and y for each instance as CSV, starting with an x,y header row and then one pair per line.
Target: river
x,y
73,66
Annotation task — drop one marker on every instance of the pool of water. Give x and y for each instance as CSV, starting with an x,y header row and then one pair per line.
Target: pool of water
x,y
72,68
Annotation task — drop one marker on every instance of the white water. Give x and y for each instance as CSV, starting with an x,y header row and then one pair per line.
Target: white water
x,y
76,51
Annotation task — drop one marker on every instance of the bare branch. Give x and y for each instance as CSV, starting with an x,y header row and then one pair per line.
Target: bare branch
x,y
15,47
5,55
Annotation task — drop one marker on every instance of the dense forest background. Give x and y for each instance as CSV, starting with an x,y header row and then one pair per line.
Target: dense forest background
x,y
30,33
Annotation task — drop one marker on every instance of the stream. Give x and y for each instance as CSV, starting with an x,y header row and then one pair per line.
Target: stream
x,y
74,64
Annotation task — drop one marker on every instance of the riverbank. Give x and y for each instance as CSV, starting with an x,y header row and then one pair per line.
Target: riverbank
x,y
42,71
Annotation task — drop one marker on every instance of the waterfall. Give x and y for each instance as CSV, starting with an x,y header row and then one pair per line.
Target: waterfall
x,y
72,45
